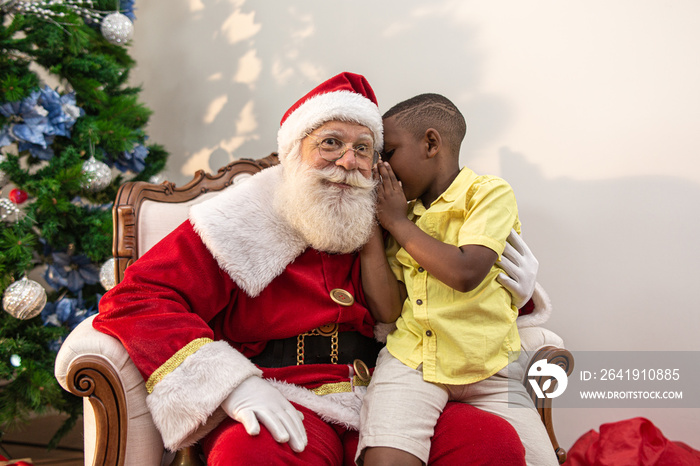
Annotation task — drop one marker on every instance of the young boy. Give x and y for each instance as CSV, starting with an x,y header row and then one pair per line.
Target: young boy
x,y
456,330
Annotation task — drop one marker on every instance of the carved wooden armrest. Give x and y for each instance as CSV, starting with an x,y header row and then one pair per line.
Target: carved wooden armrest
x,y
564,359
96,367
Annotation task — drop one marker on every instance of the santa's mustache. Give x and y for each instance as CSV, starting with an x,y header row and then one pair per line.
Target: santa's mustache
x,y
352,178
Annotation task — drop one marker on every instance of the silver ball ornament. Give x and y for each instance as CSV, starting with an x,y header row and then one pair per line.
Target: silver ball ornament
x,y
9,211
117,28
24,299
107,278
98,175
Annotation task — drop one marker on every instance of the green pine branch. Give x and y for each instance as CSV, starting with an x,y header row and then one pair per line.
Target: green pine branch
x,y
61,214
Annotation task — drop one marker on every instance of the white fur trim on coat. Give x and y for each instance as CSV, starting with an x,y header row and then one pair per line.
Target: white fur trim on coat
x,y
540,314
245,234
180,405
339,408
338,105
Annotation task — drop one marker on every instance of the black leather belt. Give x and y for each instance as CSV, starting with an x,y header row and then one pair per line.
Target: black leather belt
x,y
317,350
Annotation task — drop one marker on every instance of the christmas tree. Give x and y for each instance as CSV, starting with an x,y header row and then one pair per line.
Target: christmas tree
x,y
71,131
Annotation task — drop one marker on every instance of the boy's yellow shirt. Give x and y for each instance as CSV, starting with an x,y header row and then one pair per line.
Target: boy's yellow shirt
x,y
460,338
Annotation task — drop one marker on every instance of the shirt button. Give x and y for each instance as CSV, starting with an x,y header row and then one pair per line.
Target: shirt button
x,y
428,333
419,301
421,269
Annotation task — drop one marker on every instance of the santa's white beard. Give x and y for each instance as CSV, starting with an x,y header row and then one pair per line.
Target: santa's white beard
x,y
331,218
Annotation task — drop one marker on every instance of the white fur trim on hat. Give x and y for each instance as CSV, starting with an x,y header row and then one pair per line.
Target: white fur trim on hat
x,y
339,105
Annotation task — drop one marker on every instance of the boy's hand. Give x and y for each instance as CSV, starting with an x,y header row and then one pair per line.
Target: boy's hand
x,y
391,200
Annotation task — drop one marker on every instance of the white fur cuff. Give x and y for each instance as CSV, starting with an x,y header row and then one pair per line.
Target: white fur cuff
x,y
184,400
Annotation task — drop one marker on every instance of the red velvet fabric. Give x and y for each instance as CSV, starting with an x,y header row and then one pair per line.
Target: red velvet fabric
x,y
464,435
311,375
527,308
632,442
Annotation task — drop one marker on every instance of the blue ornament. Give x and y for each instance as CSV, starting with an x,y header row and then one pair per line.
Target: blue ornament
x,y
37,119
134,160
71,271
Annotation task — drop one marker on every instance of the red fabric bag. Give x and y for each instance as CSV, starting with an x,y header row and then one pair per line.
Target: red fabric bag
x,y
633,442
5,462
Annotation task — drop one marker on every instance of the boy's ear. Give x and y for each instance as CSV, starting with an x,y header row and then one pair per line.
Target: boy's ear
x,y
433,142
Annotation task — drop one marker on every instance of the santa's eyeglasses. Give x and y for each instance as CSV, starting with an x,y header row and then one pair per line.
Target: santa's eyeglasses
x,y
333,149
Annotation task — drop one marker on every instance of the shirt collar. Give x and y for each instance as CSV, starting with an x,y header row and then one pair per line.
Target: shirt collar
x,y
449,195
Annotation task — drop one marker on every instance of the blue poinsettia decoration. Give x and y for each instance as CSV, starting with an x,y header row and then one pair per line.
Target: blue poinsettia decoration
x,y
66,312
89,206
134,160
62,110
71,271
126,7
36,120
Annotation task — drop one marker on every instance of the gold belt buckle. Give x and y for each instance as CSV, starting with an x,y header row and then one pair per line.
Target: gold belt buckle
x,y
327,330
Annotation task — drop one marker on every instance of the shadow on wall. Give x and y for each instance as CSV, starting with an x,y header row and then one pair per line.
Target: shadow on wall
x,y
301,48
221,74
618,257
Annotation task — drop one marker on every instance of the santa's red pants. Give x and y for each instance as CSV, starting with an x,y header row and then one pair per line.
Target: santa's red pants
x,y
463,435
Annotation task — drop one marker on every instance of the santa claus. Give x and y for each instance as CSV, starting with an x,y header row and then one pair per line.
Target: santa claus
x,y
252,312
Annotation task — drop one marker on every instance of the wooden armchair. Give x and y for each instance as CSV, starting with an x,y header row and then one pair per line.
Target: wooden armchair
x,y
118,427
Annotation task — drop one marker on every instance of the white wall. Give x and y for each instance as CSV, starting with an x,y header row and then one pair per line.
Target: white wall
x,y
591,110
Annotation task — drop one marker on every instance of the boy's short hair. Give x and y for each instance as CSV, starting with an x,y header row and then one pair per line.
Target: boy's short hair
x,y
424,111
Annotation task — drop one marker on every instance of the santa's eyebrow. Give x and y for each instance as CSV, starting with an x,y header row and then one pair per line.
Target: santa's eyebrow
x,y
334,133
329,133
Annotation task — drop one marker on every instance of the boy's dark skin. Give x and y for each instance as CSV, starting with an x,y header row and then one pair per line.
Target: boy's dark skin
x,y
426,167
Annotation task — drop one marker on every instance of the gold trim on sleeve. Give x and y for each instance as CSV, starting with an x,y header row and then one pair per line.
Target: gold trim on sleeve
x,y
174,361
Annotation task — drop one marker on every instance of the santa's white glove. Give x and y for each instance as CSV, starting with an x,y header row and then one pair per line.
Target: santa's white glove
x,y
521,266
256,400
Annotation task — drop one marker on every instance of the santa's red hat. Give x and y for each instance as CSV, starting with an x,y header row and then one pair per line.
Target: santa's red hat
x,y
345,97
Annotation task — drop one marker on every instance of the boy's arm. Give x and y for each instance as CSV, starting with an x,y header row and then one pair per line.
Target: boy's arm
x,y
383,292
462,268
